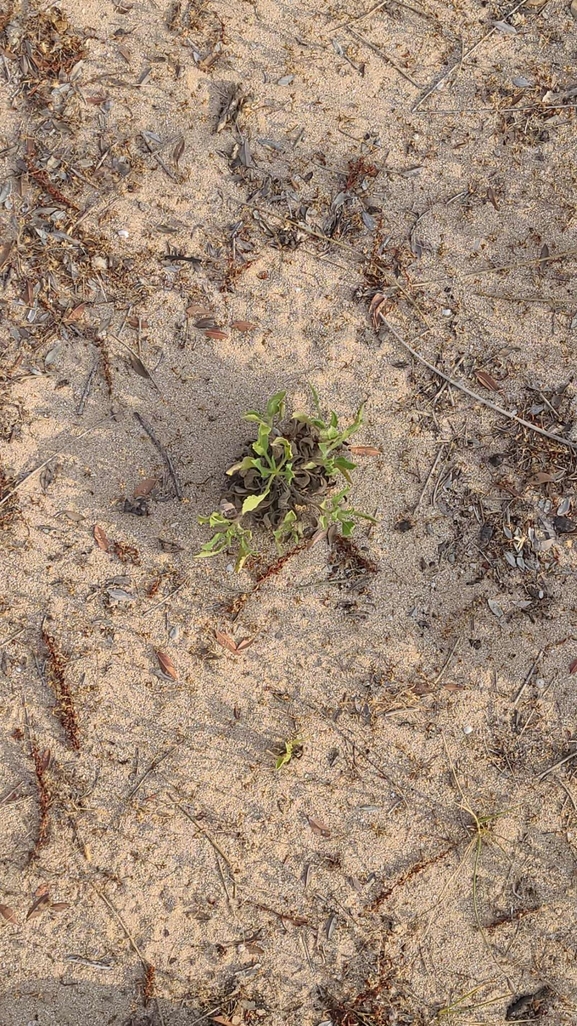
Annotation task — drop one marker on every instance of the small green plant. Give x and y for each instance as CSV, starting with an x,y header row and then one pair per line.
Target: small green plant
x,y
283,481
293,748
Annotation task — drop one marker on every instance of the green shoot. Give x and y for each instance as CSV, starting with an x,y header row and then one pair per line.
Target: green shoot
x,y
292,748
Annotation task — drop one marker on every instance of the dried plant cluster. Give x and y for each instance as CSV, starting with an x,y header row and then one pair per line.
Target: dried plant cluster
x,y
286,482
8,500
56,669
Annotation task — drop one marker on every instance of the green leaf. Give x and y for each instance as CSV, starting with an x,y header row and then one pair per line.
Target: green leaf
x,y
363,516
316,401
212,548
303,418
283,443
286,531
356,424
215,519
252,501
275,406
342,463
246,464
254,417
261,446
244,548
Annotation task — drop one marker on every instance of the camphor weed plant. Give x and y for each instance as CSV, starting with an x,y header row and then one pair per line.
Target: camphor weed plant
x,y
286,481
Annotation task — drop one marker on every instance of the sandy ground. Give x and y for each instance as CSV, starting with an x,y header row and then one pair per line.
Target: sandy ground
x,y
417,863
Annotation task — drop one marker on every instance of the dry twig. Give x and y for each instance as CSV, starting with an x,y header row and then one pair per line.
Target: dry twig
x,y
168,462
474,395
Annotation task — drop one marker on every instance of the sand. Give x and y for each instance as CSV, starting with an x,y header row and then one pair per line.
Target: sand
x,y
416,863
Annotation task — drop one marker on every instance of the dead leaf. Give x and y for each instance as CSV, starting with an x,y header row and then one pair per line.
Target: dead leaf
x,y
178,151
206,322
9,914
166,664
136,321
485,379
44,760
138,367
145,487
170,546
229,643
59,906
37,905
76,314
491,195
244,325
100,538
196,310
5,251
495,607
318,828
331,926
221,1020
72,515
573,667
364,450
541,478
226,641
215,333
